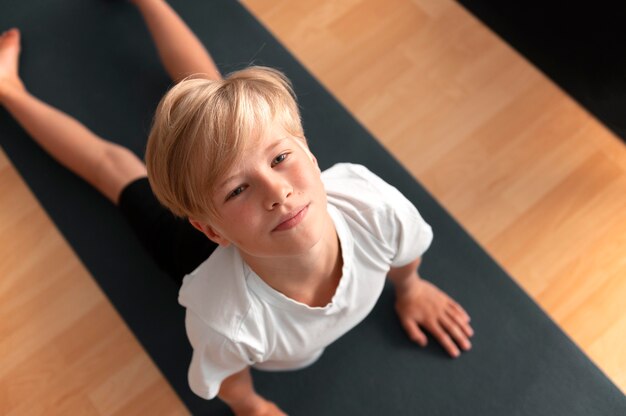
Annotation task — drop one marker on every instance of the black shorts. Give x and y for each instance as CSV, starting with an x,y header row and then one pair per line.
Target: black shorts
x,y
176,246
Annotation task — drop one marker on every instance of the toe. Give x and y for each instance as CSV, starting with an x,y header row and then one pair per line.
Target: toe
x,y
10,37
10,34
13,33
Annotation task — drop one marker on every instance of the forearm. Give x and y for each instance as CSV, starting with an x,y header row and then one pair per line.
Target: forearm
x,y
404,276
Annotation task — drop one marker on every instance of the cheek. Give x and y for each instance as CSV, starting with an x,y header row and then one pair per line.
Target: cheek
x,y
308,175
242,218
314,182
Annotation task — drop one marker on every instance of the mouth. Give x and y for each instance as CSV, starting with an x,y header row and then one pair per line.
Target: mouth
x,y
292,219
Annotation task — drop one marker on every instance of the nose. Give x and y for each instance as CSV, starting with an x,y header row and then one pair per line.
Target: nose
x,y
277,190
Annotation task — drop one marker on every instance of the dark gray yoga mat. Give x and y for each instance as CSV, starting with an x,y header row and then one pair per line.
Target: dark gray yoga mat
x,y
95,60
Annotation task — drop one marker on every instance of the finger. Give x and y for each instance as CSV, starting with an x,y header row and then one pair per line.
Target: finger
x,y
467,329
459,336
459,309
461,322
444,339
414,332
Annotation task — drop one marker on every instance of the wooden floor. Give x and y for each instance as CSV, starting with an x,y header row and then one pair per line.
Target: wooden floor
x,y
536,180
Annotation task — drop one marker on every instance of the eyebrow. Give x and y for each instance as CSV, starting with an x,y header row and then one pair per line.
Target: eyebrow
x,y
267,149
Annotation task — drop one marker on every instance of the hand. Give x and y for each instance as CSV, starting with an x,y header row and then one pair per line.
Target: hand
x,y
422,304
261,407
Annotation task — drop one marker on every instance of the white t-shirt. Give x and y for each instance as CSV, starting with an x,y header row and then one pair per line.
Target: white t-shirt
x,y
234,319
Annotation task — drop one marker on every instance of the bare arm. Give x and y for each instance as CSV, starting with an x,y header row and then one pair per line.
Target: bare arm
x,y
237,391
419,303
403,277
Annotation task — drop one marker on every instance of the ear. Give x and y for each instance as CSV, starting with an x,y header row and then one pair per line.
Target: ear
x,y
210,232
314,159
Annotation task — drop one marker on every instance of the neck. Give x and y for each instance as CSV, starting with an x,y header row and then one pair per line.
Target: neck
x,y
310,277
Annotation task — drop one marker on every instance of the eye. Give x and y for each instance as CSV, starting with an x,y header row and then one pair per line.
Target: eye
x,y
237,191
280,158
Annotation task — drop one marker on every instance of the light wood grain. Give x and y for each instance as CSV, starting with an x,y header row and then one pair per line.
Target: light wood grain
x,y
535,179
64,348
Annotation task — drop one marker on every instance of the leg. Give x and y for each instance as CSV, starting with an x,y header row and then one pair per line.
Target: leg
x,y
181,52
107,166
174,244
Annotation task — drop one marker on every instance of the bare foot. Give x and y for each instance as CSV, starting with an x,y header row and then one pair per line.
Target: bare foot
x,y
9,56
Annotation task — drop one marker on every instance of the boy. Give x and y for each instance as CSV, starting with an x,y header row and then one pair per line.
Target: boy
x,y
303,254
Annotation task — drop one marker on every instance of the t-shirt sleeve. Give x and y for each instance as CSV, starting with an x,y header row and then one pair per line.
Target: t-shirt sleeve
x,y
412,235
406,233
214,358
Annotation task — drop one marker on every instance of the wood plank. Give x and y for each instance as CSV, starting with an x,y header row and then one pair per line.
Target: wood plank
x,y
64,348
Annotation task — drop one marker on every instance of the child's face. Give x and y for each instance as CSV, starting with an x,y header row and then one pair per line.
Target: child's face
x,y
273,203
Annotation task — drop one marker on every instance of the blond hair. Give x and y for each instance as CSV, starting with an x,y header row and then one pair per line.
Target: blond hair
x,y
201,127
